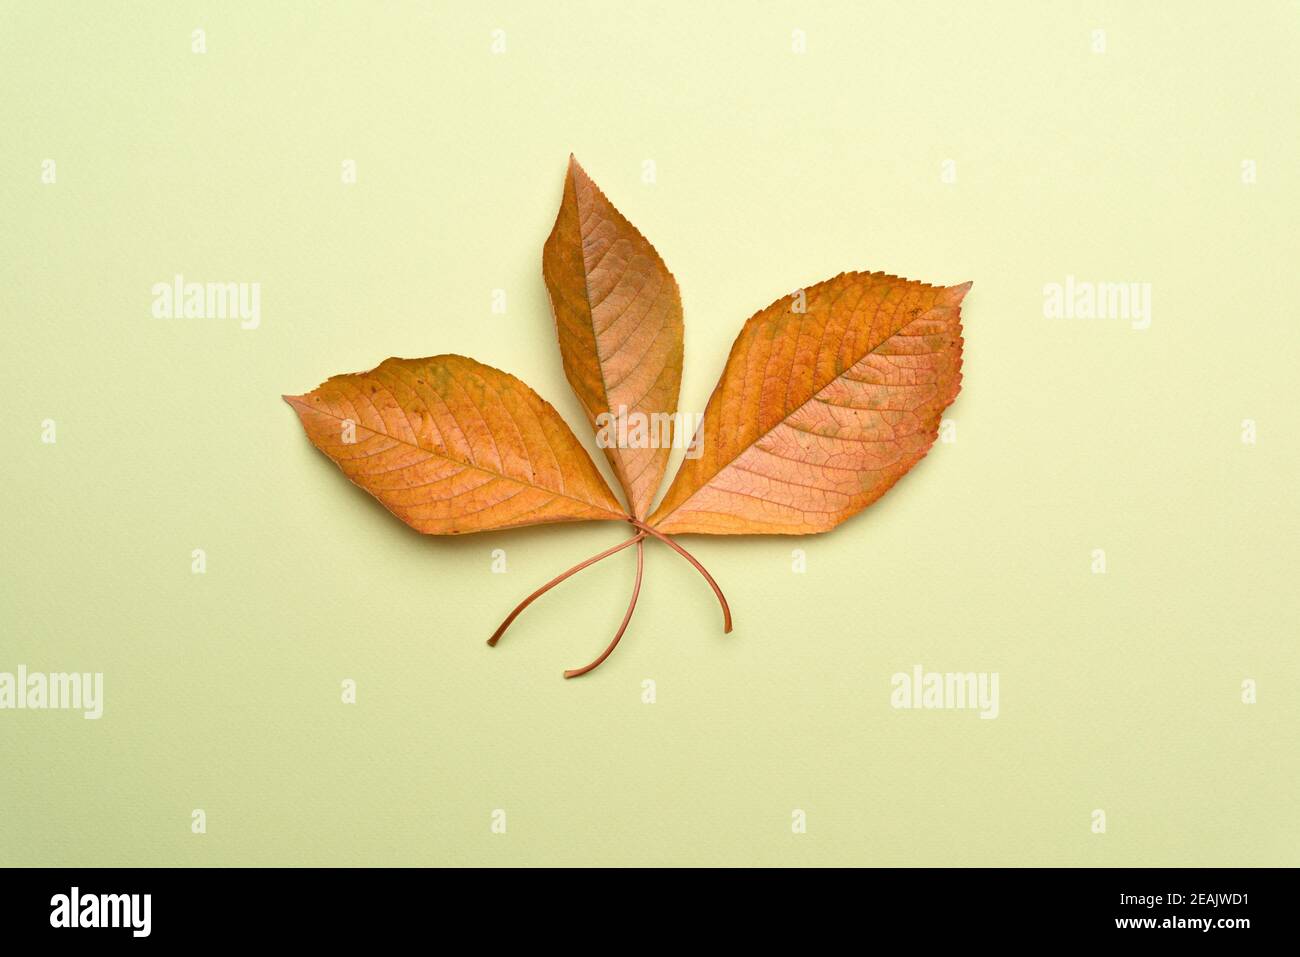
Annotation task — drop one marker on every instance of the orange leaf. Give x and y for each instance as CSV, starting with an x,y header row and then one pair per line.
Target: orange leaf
x,y
450,445
618,315
820,411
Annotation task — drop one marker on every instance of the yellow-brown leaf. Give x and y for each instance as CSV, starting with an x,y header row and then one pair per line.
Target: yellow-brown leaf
x,y
450,445
819,412
618,315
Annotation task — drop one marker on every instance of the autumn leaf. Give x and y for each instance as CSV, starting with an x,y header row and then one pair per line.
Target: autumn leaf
x,y
618,315
829,396
450,445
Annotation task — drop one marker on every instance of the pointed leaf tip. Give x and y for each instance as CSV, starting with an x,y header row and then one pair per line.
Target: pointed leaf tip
x,y
618,317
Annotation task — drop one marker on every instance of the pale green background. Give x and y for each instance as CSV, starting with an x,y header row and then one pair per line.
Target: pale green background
x,y
775,170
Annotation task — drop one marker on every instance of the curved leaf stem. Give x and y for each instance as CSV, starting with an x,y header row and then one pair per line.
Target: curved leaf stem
x,y
722,599
631,607
496,635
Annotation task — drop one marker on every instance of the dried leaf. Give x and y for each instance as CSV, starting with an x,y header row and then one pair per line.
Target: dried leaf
x,y
829,396
820,411
618,315
450,445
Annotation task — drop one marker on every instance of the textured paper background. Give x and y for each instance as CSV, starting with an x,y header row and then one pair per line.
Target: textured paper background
x,y
1119,691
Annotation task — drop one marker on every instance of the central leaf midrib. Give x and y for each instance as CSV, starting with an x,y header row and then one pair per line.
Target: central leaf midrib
x,y
815,392
470,465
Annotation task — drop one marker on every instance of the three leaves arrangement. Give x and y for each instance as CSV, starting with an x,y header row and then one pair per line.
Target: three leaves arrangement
x,y
829,396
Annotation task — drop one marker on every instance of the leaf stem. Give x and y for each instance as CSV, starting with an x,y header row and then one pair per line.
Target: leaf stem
x,y
631,607
722,599
496,635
